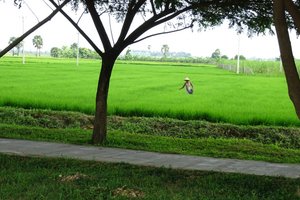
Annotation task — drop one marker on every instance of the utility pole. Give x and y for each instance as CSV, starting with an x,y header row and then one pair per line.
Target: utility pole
x,y
77,59
23,49
280,64
238,55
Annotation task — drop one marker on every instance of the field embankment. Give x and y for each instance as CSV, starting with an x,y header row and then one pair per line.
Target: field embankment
x,y
192,137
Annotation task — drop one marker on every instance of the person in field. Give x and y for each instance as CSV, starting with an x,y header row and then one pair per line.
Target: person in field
x,y
188,86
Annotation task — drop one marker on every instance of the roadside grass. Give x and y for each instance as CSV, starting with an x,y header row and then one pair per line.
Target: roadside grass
x,y
49,178
286,137
147,89
274,144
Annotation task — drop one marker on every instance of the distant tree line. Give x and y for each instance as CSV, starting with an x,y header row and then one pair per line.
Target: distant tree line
x,y
163,54
71,52
166,59
217,55
204,60
180,57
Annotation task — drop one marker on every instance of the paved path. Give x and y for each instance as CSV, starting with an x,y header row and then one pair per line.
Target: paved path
x,y
104,154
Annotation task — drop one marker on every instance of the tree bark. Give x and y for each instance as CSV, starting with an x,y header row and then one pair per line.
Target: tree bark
x,y
286,52
100,121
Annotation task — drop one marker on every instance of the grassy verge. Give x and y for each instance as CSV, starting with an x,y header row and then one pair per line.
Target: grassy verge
x,y
45,178
275,144
287,137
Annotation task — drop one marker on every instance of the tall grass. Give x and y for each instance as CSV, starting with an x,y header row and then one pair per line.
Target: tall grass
x,y
147,89
257,67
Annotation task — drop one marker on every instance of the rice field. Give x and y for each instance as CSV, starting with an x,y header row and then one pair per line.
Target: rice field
x,y
147,89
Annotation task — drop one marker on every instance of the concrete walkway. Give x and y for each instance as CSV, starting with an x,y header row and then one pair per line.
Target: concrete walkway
x,y
104,154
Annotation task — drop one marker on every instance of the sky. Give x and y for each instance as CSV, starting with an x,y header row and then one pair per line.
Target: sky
x,y
59,32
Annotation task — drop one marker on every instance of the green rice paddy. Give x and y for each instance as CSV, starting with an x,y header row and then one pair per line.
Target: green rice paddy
x,y
147,89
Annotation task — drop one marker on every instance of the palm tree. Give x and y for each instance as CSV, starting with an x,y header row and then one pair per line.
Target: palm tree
x,y
37,43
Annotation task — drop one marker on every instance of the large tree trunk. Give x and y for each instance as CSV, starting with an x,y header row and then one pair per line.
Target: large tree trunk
x,y
286,52
100,123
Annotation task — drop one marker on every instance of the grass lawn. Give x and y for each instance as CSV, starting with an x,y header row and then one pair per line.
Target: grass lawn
x,y
44,178
147,89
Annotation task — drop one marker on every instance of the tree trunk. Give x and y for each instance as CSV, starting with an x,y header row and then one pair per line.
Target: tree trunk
x,y
100,122
286,52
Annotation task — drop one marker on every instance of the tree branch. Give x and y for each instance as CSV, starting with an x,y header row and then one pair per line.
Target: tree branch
x,y
158,19
153,7
99,25
31,11
162,33
111,32
38,25
80,17
48,5
162,17
152,22
167,18
79,29
132,10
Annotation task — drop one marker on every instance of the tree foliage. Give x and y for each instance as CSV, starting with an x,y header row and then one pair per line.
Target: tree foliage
x,y
71,52
255,16
55,52
216,54
242,57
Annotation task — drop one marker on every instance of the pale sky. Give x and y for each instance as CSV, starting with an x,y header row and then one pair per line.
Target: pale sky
x,y
59,32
